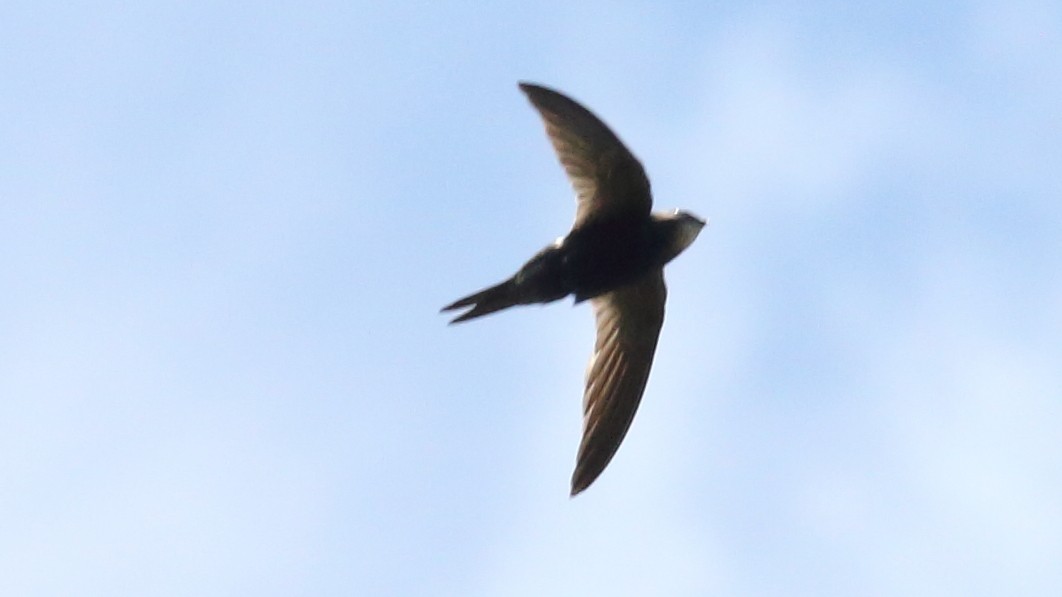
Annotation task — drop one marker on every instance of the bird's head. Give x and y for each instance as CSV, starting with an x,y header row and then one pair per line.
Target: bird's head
x,y
689,226
680,228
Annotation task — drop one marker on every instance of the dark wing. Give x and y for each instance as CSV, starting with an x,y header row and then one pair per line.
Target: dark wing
x,y
607,178
628,325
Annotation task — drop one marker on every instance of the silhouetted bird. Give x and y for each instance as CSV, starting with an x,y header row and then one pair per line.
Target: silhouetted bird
x,y
614,255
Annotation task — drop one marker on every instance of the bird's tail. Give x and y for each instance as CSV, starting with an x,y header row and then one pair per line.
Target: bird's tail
x,y
486,301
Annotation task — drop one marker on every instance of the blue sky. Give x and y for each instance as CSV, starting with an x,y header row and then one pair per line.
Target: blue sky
x,y
227,230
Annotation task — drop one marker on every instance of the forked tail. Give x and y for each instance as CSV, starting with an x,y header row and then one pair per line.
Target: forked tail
x,y
485,301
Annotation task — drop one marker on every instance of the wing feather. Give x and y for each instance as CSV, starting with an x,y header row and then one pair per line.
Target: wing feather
x,y
628,326
608,179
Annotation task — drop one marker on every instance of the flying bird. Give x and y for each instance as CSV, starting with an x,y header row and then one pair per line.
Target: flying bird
x,y
614,256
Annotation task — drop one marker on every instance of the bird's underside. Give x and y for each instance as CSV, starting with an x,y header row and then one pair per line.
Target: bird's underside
x,y
614,256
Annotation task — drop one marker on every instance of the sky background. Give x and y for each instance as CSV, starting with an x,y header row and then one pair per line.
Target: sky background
x,y
226,230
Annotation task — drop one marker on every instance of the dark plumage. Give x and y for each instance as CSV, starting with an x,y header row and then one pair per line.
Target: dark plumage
x,y
614,255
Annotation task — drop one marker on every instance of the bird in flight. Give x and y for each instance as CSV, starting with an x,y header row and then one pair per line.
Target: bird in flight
x,y
614,256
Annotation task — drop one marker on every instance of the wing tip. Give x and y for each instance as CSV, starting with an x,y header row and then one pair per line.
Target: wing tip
x,y
577,488
540,93
583,477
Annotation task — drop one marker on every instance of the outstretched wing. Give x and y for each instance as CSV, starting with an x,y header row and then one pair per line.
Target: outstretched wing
x,y
607,178
628,326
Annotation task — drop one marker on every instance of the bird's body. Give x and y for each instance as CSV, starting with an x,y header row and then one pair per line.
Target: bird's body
x,y
614,254
603,255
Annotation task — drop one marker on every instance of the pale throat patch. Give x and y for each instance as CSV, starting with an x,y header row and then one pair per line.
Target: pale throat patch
x,y
687,233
